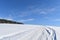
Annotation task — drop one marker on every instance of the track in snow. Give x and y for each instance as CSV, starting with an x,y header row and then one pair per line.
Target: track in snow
x,y
29,33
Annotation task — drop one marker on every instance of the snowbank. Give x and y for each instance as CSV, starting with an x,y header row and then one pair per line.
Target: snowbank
x,y
28,32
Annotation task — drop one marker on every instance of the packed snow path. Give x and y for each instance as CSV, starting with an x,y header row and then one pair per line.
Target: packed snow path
x,y
26,32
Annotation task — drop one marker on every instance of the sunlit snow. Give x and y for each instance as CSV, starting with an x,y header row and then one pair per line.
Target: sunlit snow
x,y
28,32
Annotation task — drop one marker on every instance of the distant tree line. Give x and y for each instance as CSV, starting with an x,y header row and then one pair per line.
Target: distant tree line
x,y
9,21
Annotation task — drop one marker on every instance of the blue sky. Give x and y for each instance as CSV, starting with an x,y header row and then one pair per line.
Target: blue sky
x,y
45,12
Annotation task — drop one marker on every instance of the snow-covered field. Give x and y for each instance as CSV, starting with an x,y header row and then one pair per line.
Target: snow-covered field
x,y
28,32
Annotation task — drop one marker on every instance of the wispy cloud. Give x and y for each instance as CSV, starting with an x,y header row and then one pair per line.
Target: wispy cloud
x,y
37,10
32,10
31,19
8,18
56,20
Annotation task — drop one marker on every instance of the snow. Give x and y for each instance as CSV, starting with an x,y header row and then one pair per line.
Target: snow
x,y
57,30
28,32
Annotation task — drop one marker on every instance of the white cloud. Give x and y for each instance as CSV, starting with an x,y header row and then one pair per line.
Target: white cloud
x,y
31,19
6,18
56,20
37,10
32,10
23,14
43,12
9,17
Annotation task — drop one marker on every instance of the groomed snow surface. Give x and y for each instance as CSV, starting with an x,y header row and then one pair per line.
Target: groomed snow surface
x,y
28,32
